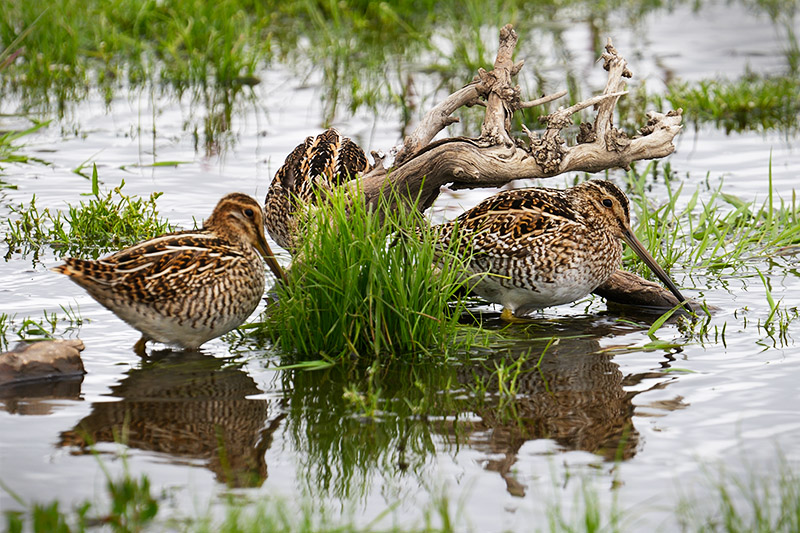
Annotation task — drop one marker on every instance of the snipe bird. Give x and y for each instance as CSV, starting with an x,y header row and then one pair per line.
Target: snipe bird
x,y
538,247
188,287
318,165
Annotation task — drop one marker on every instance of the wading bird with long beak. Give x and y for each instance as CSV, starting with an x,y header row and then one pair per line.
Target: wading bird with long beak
x,y
538,247
188,287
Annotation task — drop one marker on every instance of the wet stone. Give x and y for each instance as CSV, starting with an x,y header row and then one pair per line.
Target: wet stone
x,y
45,360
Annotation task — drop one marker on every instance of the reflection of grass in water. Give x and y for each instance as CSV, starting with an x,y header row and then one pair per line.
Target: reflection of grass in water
x,y
354,421
351,420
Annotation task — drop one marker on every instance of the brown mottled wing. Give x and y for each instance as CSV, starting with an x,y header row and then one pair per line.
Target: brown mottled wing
x,y
329,159
295,166
351,161
155,270
318,164
511,223
334,158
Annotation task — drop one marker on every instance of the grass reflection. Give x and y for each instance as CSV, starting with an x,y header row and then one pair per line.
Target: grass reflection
x,y
355,423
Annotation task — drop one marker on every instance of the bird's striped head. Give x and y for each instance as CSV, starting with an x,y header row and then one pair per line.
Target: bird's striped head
x,y
604,203
240,217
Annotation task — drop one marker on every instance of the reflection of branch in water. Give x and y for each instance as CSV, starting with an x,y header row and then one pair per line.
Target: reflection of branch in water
x,y
188,405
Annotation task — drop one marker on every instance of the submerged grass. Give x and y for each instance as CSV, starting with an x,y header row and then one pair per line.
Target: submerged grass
x,y
133,506
365,285
753,502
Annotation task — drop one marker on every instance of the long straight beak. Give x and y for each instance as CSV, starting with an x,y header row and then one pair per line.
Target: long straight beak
x,y
269,257
641,251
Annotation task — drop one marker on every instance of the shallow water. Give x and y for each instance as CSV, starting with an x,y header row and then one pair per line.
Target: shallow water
x,y
290,434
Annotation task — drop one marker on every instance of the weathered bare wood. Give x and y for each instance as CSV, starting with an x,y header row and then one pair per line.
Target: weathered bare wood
x,y
494,159
436,120
543,100
628,288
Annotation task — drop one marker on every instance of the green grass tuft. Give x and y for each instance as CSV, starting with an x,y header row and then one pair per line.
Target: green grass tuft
x,y
366,286
720,232
105,223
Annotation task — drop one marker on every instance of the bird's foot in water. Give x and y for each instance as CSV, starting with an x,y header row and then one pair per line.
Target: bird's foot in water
x,y
508,316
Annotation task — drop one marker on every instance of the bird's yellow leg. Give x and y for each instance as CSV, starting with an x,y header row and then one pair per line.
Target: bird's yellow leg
x,y
508,316
139,347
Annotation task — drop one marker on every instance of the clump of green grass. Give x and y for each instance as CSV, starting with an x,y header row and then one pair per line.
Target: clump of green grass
x,y
104,223
366,285
750,103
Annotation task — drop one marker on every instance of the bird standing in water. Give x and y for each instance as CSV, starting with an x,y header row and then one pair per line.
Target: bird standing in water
x,y
538,247
188,287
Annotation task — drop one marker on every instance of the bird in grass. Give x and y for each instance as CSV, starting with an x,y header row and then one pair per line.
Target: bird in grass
x,y
188,287
538,247
314,167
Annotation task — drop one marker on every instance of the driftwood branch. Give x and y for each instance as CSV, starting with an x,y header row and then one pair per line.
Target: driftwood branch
x,y
422,167
627,288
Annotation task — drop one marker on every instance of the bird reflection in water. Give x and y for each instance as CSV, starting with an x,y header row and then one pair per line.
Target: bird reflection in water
x,y
576,396
191,406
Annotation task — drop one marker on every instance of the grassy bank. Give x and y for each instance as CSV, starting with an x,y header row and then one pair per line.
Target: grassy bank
x,y
103,224
368,55
718,232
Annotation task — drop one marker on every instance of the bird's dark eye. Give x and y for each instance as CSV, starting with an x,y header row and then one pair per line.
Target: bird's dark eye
x,y
607,202
248,213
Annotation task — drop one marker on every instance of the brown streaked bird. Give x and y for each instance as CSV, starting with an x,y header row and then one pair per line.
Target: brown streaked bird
x,y
188,287
538,247
320,164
